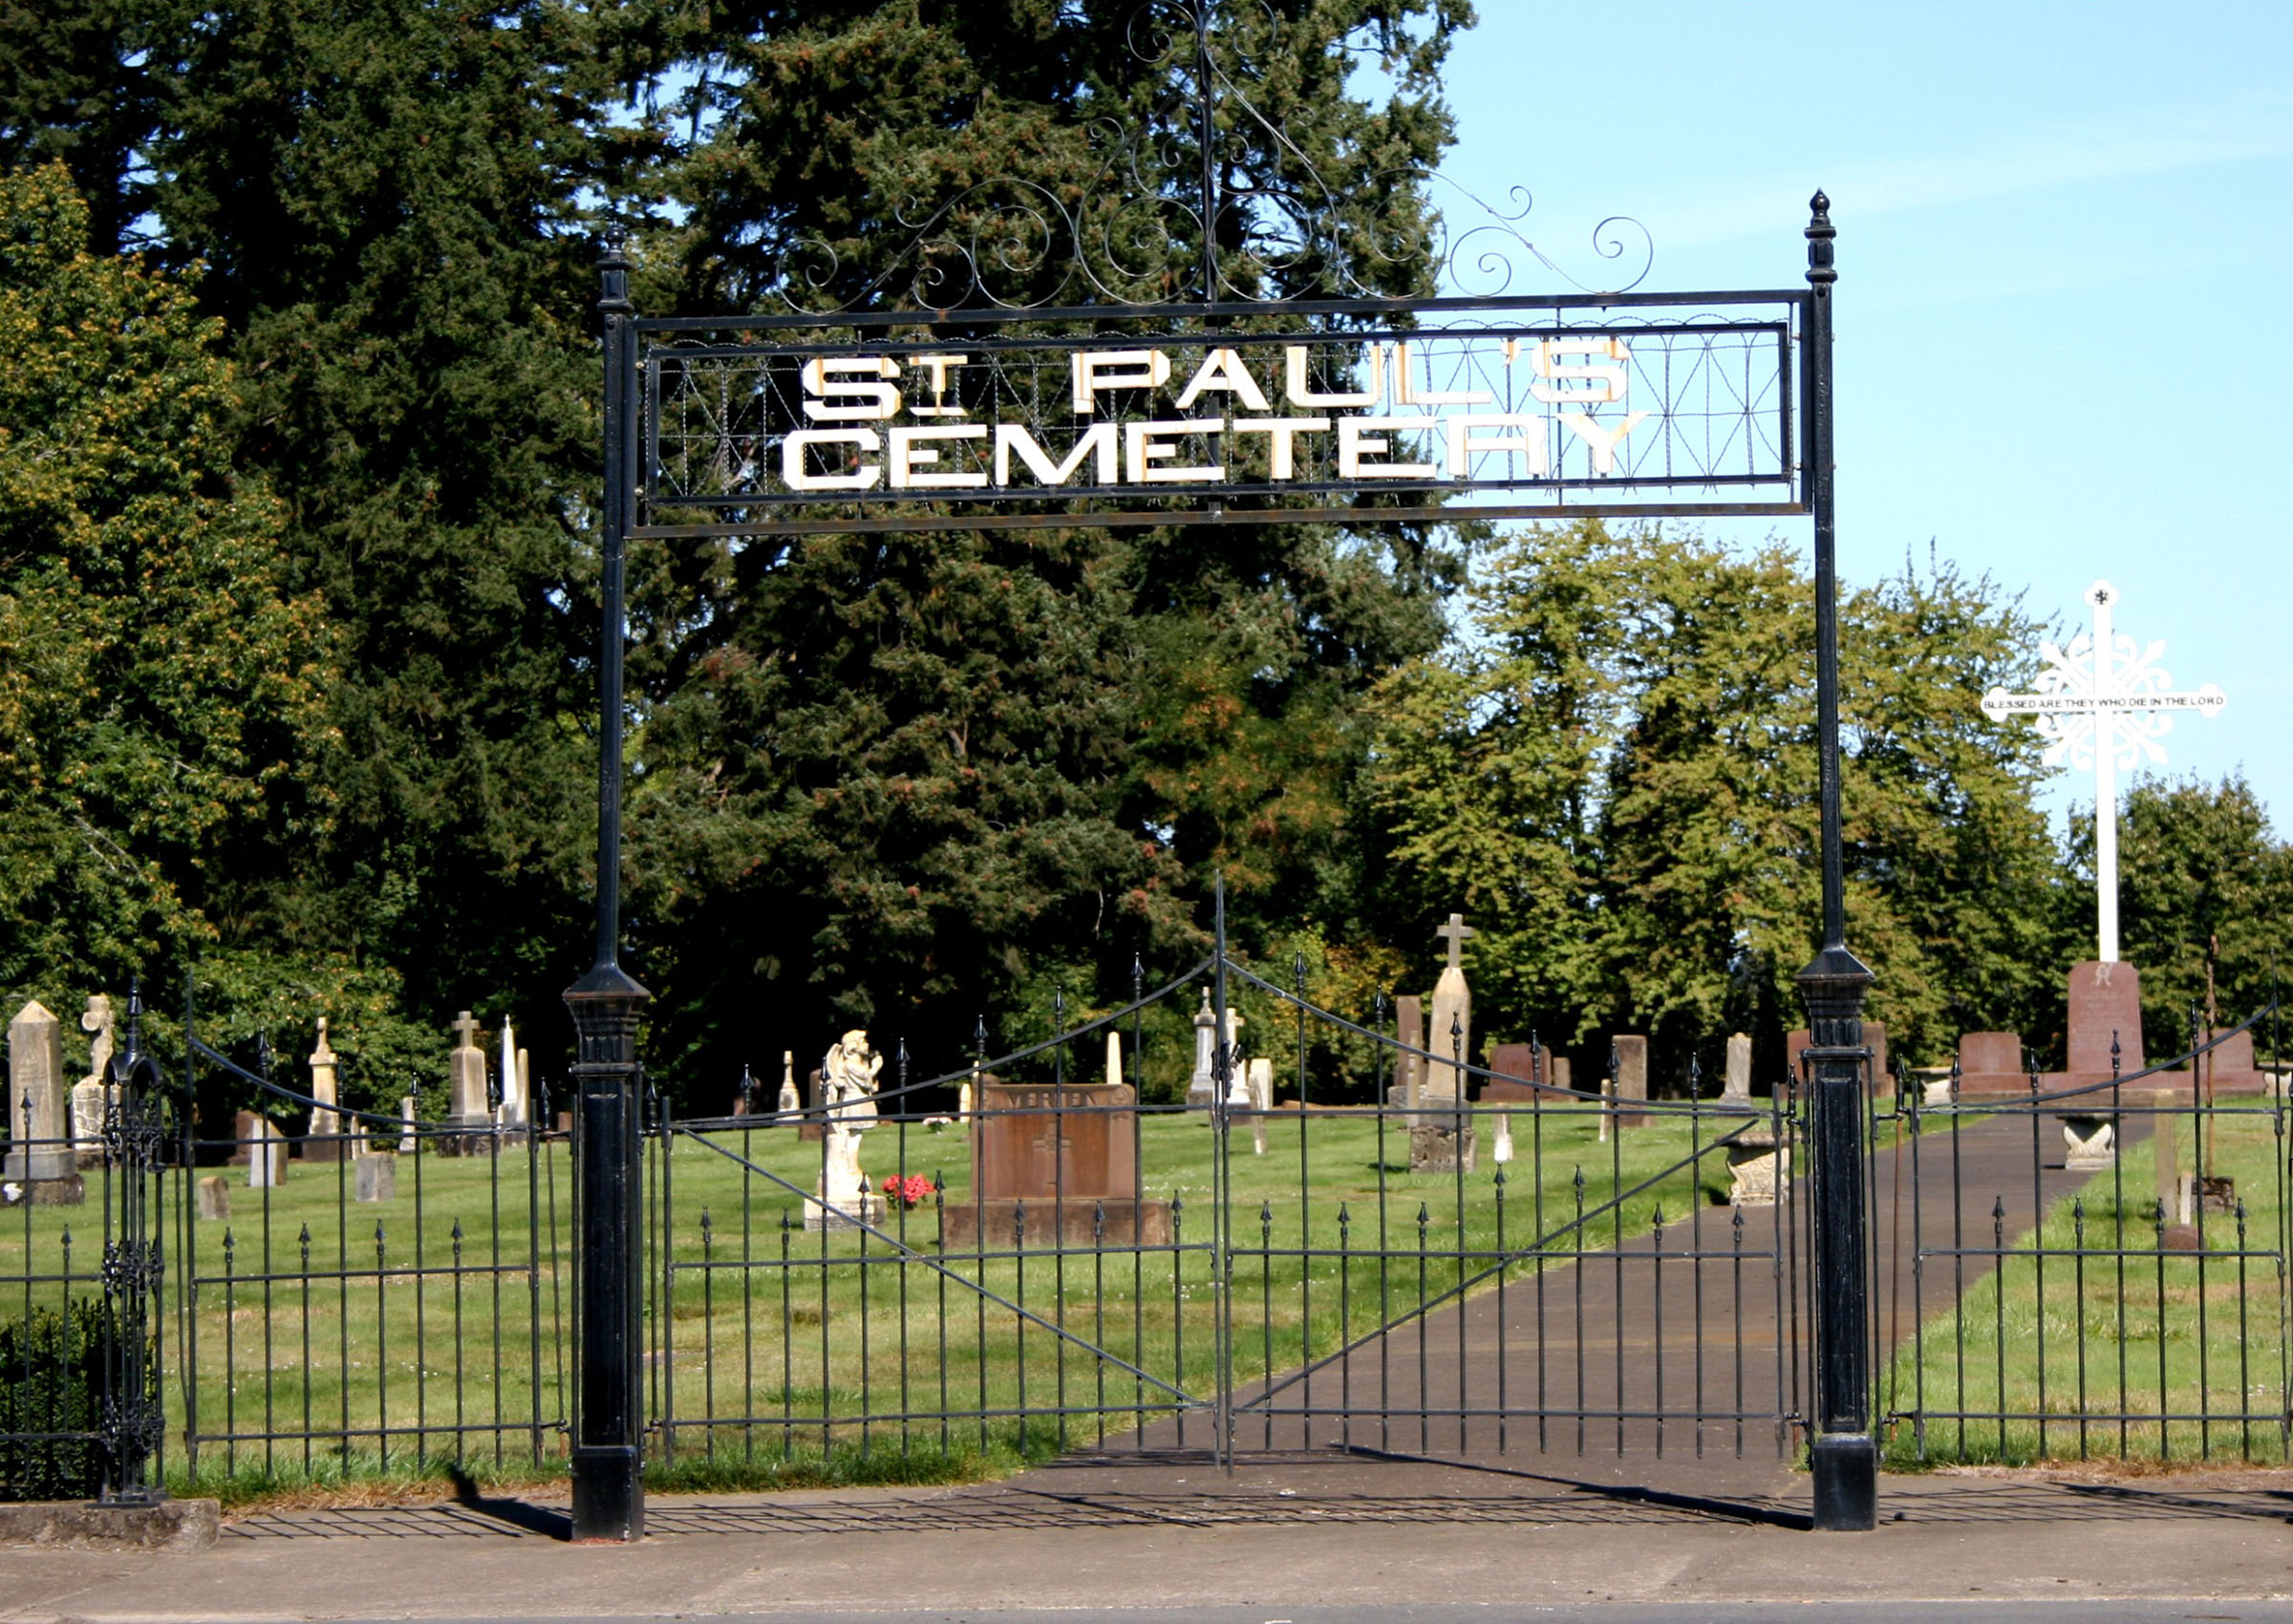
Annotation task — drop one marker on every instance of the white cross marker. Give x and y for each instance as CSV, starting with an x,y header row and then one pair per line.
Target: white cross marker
x,y
2104,709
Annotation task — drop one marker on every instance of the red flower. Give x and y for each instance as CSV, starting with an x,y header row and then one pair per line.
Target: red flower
x,y
911,1191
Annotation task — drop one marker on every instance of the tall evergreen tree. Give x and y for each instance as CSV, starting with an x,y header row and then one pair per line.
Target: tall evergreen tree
x,y
901,779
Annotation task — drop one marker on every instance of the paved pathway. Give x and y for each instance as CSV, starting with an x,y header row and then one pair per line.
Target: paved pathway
x,y
1675,1359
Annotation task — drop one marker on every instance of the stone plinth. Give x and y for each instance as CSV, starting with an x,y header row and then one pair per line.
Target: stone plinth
x,y
2089,1142
863,1207
1014,1225
1437,1150
1759,1168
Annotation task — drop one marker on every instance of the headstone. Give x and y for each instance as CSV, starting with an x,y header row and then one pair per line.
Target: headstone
x,y
1631,1050
1991,1063
565,1123
1441,1130
92,1095
1519,1068
215,1199
408,1143
1260,1086
267,1156
376,1178
809,1125
1055,1167
466,1078
1736,1089
1201,1088
841,1198
789,1106
1409,1026
2106,1005
2228,1066
324,1142
38,1130
1114,1058
246,1129
2167,1157
1563,1072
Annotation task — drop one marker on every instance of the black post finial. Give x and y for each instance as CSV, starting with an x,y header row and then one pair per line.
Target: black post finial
x,y
1820,232
612,271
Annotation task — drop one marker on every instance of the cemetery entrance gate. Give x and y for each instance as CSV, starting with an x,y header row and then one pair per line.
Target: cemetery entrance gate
x,y
1021,366
1382,1263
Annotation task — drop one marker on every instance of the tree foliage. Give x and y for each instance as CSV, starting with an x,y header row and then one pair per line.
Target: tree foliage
x,y
1615,770
2203,882
162,681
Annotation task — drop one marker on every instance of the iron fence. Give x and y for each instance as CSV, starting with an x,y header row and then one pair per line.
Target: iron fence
x,y
1367,1264
2096,1269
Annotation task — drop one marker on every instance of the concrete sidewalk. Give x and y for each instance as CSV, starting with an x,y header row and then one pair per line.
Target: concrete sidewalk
x,y
1283,1536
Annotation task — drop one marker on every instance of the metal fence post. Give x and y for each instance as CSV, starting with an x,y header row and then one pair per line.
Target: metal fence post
x,y
132,1421
608,1494
1843,1455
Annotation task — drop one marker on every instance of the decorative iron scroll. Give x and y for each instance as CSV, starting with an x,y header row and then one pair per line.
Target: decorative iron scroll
x,y
1168,412
1206,195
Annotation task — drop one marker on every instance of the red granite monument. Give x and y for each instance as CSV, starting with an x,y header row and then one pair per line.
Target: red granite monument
x,y
1053,1167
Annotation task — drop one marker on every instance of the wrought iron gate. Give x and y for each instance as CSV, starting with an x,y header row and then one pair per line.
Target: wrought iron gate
x,y
1285,1280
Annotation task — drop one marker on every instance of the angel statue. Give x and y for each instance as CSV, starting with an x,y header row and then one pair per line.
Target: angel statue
x,y
848,1097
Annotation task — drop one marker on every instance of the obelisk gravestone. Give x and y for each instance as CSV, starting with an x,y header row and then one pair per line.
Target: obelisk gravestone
x,y
39,1155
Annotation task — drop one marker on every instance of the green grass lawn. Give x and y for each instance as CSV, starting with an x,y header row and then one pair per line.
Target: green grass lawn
x,y
2069,1350
325,1341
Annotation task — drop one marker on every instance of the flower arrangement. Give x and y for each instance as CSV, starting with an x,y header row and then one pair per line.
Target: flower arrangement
x,y
910,1191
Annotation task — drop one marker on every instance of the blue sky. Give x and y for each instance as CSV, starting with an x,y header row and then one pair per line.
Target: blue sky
x,y
2066,294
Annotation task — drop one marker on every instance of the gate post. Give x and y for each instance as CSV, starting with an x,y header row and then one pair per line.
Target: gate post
x,y
608,1457
132,1421
1843,1455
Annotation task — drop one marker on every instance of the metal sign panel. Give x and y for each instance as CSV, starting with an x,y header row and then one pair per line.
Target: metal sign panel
x,y
1633,404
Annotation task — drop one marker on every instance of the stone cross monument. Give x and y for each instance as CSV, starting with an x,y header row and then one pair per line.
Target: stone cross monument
x,y
465,1077
2101,707
1441,1134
